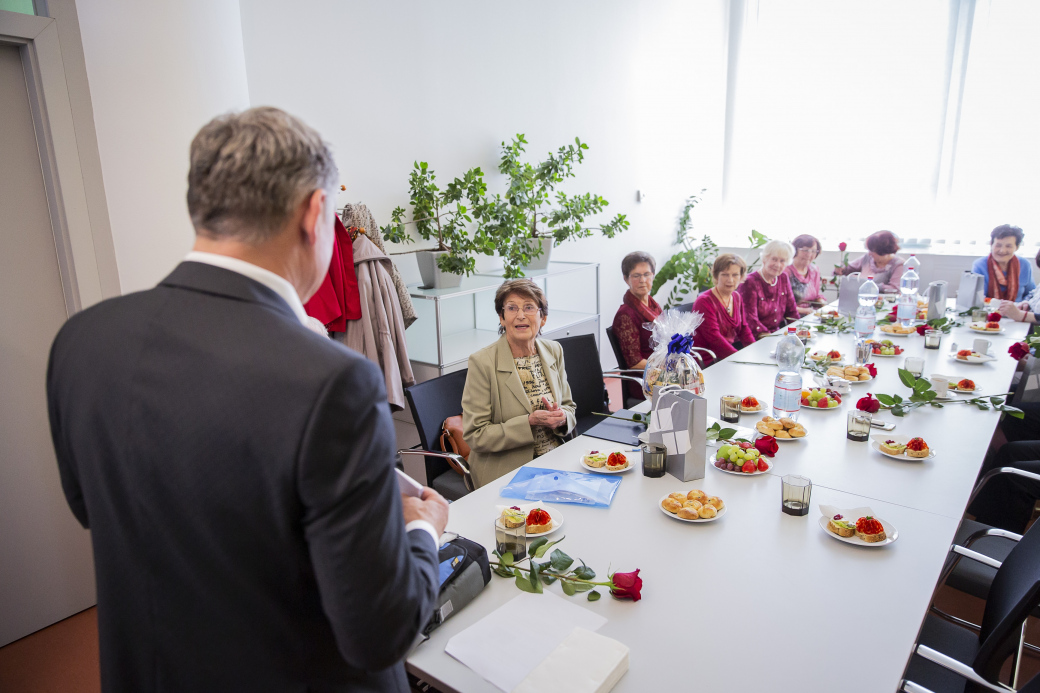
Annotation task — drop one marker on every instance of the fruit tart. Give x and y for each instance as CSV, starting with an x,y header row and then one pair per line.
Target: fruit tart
x,y
538,521
966,385
993,327
617,461
750,404
916,447
870,530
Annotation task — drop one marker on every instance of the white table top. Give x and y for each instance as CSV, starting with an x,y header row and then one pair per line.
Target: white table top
x,y
757,599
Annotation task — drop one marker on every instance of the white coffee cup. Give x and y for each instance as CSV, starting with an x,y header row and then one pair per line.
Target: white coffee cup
x,y
940,385
981,346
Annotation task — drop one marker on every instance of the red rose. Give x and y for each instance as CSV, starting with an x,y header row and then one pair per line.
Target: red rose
x,y
870,369
993,317
1018,350
921,329
627,585
892,315
767,445
842,246
868,404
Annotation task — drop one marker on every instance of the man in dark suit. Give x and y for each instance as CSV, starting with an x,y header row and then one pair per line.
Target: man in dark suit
x,y
235,468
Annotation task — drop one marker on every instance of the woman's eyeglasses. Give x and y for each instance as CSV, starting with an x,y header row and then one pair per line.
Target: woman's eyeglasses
x,y
644,275
809,251
529,309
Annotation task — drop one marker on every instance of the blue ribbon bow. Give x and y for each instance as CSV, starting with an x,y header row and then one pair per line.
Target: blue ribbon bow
x,y
680,344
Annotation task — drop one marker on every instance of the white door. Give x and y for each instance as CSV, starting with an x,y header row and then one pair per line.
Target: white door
x,y
46,568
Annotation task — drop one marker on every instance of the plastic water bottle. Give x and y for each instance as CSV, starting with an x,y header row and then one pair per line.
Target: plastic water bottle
x,y
866,314
787,389
911,279
906,311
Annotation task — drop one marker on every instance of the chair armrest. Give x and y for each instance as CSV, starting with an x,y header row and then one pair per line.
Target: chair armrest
x,y
975,556
911,687
997,472
957,667
457,462
623,377
991,532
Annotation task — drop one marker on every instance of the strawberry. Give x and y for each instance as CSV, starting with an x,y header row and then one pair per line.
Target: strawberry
x,y
744,445
748,468
821,403
763,466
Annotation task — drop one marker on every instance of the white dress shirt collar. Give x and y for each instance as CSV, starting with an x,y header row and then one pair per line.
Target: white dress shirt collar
x,y
277,284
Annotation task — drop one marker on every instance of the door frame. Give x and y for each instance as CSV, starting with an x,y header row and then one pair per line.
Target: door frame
x,y
67,142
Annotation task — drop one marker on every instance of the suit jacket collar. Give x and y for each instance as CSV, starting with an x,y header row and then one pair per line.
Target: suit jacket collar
x,y
209,279
505,364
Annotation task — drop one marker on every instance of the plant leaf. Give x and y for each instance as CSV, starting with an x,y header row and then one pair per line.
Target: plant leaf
x,y
560,561
540,551
524,583
885,399
584,572
906,377
537,544
593,596
568,588
507,559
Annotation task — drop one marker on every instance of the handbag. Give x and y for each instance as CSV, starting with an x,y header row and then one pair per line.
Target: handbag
x,y
451,440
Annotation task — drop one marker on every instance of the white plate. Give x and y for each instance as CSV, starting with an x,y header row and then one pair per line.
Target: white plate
x,y
859,382
676,517
980,327
894,334
761,407
603,470
557,522
876,441
891,533
837,408
973,360
782,440
886,356
953,384
754,473
834,362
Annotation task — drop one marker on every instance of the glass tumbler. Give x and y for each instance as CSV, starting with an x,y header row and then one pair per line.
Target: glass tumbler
x,y
915,365
979,315
932,339
859,426
511,540
796,491
654,459
729,408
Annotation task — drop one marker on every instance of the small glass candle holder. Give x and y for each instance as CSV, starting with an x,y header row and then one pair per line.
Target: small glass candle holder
x,y
654,459
729,408
932,338
796,491
863,352
859,426
979,315
511,540
914,364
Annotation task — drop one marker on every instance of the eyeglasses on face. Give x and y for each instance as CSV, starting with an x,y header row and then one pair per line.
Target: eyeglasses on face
x,y
808,250
512,309
644,275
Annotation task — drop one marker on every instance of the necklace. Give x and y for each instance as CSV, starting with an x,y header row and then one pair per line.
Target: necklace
x,y
728,306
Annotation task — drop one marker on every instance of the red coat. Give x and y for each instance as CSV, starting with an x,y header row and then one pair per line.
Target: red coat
x,y
337,300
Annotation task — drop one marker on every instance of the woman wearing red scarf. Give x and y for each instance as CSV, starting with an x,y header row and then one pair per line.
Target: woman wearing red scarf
x,y
1005,275
637,307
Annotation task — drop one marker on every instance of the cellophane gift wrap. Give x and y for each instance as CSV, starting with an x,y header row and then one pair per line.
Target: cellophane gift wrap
x,y
672,362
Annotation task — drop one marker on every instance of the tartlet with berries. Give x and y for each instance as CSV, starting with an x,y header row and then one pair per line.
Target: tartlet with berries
x,y
538,521
750,404
916,447
965,385
870,530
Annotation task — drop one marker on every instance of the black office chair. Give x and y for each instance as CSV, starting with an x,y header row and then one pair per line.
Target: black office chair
x,y
431,403
623,373
581,361
948,654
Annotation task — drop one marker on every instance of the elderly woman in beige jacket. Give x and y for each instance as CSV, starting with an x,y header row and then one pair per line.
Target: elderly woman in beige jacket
x,y
517,404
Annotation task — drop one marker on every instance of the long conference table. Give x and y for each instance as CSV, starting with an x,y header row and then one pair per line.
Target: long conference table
x,y
759,600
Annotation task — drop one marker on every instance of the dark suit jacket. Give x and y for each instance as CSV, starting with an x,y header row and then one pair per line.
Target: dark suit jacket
x,y
236,472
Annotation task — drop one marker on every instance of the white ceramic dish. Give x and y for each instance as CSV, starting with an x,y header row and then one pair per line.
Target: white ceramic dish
x,y
754,473
680,519
953,385
891,534
761,407
894,334
837,408
876,440
557,522
603,470
973,360
981,327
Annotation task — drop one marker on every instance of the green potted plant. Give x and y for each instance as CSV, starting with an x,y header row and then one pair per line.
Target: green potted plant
x,y
439,214
533,214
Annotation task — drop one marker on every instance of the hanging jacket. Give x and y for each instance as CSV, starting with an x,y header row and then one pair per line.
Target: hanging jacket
x,y
337,300
379,334
359,215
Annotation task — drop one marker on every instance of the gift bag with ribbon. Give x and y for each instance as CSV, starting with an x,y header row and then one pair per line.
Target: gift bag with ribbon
x,y
675,359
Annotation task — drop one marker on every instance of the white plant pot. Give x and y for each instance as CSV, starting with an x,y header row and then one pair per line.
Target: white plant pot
x,y
433,277
541,262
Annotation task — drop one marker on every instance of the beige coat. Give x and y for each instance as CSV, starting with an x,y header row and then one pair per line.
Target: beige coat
x,y
495,408
379,334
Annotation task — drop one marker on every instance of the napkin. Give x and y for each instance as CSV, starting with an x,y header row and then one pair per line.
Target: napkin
x,y
585,662
510,642
852,515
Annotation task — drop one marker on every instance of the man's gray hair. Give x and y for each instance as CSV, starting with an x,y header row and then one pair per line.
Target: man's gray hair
x,y
251,170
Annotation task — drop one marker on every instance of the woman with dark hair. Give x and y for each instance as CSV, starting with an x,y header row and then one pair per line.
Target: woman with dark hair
x,y
637,308
725,329
516,404
880,261
1005,275
804,275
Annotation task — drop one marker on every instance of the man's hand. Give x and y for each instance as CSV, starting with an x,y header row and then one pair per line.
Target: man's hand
x,y
431,507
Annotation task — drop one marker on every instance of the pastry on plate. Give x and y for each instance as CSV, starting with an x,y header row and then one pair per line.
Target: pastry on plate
x,y
696,494
781,434
681,497
706,512
870,530
688,513
788,422
617,461
892,447
916,447
514,517
965,385
715,501
763,428
750,404
993,327
538,521
841,526
695,504
797,431
595,458
671,505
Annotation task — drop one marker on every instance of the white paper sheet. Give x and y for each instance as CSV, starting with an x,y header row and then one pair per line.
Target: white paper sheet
x,y
851,515
507,644
585,662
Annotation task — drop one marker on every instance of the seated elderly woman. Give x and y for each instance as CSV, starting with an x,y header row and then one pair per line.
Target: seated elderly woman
x,y
516,404
725,329
637,307
766,294
880,261
1005,275
804,275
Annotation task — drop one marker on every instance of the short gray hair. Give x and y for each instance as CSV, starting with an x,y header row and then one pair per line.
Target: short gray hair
x,y
250,171
776,247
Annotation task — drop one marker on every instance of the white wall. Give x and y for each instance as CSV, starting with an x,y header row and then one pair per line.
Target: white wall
x,y
158,71
393,82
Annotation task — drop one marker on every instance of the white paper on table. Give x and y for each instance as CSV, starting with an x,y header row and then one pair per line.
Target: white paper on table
x,y
585,662
851,515
507,644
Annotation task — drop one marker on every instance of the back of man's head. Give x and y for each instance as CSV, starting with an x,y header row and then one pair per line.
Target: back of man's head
x,y
249,172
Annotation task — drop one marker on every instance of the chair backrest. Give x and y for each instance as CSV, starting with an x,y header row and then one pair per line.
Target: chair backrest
x,y
612,338
1013,595
581,362
685,307
431,403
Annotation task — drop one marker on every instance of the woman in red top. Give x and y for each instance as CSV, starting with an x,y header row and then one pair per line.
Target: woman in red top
x,y
637,307
724,329
769,302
